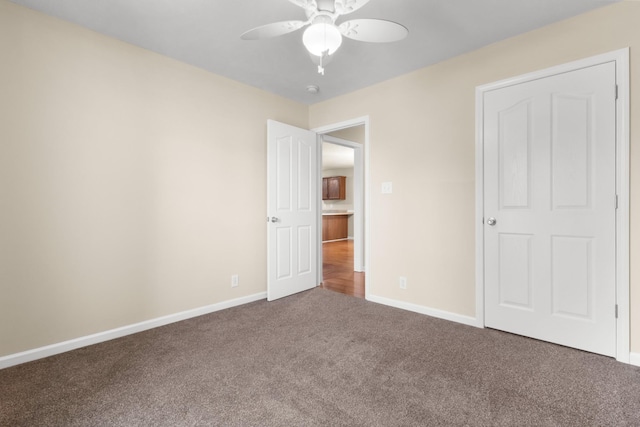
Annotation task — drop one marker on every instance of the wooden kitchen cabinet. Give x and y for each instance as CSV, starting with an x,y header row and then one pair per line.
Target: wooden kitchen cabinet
x,y
334,188
335,227
325,188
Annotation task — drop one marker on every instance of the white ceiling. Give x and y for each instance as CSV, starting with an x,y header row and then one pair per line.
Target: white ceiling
x,y
206,33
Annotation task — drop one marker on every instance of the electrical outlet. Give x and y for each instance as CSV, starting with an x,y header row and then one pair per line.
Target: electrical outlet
x,y
403,282
387,187
234,280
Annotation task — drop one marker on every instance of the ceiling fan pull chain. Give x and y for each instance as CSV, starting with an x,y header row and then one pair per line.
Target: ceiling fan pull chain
x,y
320,67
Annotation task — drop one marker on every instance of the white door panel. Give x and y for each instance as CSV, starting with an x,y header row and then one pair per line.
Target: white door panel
x,y
572,277
515,170
549,182
291,208
515,280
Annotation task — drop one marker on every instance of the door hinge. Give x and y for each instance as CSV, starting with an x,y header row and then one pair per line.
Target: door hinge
x,y
616,201
616,311
616,91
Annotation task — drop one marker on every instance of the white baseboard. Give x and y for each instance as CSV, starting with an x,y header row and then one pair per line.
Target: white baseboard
x,y
634,358
50,350
440,314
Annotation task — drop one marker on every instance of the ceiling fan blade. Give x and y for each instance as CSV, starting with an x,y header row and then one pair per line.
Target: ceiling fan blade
x,y
272,30
305,4
373,30
344,7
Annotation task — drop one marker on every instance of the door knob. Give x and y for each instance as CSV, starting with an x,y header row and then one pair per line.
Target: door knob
x,y
274,219
491,221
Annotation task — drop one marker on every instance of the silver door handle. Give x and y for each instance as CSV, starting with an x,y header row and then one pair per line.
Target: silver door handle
x,y
274,219
491,221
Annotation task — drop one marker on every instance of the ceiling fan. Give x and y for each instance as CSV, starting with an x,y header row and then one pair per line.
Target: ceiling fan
x,y
323,36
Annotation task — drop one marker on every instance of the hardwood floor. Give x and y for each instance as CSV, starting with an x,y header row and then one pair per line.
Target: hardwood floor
x,y
337,269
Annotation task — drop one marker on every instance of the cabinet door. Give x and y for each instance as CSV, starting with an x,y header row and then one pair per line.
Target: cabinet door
x,y
335,227
325,228
341,227
336,186
325,188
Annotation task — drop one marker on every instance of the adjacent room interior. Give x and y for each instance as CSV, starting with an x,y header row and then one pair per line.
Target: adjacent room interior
x,y
340,271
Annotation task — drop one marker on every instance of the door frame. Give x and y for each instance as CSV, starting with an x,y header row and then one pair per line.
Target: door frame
x,y
621,59
362,203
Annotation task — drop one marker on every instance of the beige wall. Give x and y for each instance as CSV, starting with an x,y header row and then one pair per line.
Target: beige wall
x,y
422,139
131,185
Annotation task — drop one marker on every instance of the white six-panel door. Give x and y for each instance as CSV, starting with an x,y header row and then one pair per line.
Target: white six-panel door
x,y
291,208
550,182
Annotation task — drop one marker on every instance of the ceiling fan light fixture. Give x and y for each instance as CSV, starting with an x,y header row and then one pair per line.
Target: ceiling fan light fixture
x,y
322,39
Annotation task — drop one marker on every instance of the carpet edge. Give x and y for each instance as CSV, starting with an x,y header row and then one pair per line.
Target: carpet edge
x,y
64,346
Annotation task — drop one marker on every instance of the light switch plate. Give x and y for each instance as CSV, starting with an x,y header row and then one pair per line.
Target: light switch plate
x,y
387,188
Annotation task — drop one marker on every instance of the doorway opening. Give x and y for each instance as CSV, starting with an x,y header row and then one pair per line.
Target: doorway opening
x,y
338,195
341,253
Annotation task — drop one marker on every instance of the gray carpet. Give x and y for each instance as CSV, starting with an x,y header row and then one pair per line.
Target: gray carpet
x,y
321,358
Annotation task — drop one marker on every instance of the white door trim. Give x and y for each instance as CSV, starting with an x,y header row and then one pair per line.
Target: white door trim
x,y
364,120
621,59
358,197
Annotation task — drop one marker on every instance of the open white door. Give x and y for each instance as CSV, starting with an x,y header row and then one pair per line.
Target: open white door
x,y
291,210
